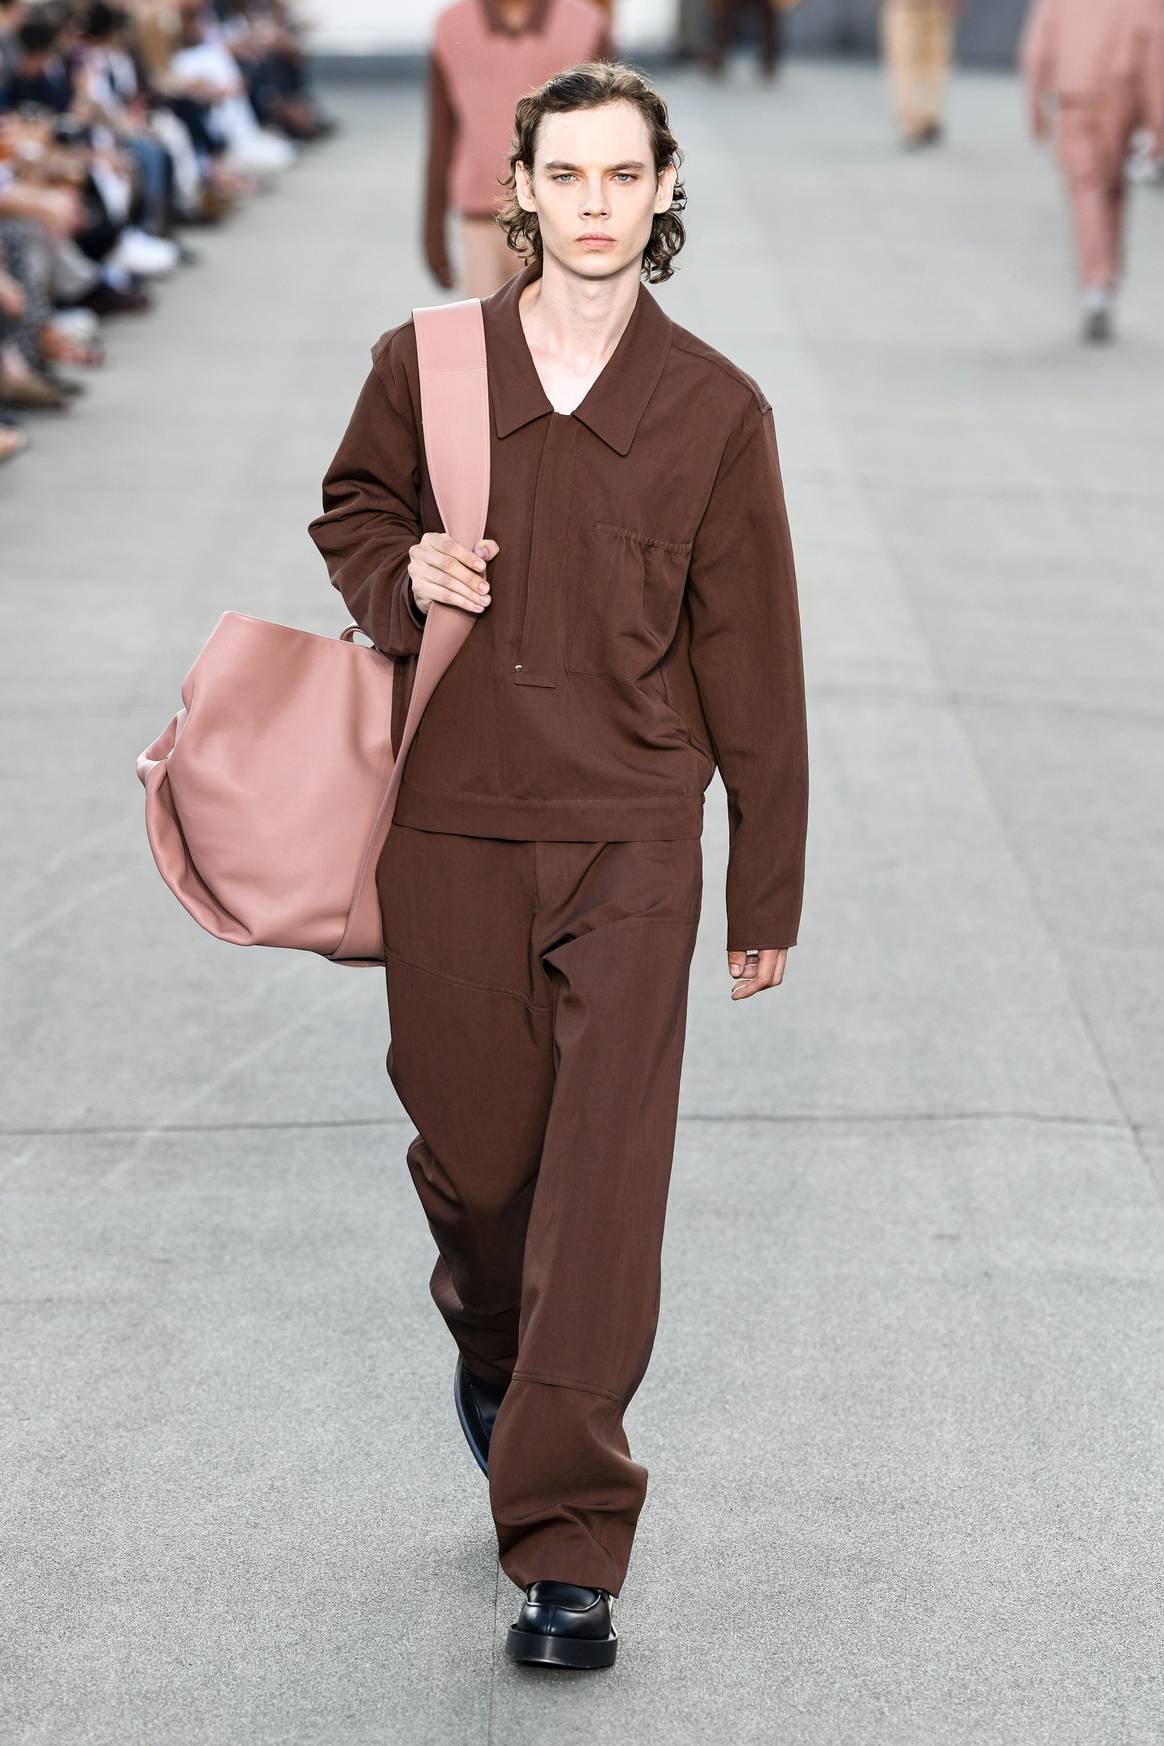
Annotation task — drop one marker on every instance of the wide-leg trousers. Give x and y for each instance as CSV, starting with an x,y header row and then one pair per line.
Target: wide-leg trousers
x,y
1094,136
917,39
537,996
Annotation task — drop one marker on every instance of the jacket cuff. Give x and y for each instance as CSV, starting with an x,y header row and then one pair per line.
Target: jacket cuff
x,y
766,919
405,624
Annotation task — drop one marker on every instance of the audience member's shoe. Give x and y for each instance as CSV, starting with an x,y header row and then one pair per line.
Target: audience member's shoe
x,y
1097,315
150,257
214,204
76,323
112,300
562,1625
32,391
477,1403
260,154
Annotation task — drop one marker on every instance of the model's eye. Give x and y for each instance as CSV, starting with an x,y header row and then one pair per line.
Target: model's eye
x,y
562,176
625,176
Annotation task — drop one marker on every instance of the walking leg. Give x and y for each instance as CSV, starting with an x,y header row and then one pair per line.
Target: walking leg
x,y
471,1059
616,928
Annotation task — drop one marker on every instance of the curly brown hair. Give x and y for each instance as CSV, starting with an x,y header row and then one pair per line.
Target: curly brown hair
x,y
591,85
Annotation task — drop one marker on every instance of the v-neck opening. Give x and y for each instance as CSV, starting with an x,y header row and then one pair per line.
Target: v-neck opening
x,y
597,382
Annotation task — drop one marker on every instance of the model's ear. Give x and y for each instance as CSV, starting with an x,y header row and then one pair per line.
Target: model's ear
x,y
665,192
523,185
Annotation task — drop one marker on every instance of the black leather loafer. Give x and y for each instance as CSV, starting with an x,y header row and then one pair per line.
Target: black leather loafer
x,y
562,1625
477,1404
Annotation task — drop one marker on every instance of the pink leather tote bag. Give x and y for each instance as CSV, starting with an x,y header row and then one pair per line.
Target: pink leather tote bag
x,y
270,794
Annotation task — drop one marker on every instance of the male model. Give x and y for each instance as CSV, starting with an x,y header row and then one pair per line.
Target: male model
x,y
638,627
485,53
1102,61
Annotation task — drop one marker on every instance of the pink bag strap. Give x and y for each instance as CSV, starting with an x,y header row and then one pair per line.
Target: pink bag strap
x,y
454,413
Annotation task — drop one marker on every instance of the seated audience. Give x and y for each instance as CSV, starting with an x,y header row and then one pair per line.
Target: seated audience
x,y
121,125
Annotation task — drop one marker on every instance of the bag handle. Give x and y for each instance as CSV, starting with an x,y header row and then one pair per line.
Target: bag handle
x,y
454,415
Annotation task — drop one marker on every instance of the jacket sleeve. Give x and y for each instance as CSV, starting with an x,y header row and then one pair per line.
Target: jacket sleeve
x,y
746,655
371,509
442,132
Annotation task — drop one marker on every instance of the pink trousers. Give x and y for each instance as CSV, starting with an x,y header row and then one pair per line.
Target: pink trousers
x,y
1094,134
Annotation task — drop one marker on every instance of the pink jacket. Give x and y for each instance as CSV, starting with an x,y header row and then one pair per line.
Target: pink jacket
x,y
1082,48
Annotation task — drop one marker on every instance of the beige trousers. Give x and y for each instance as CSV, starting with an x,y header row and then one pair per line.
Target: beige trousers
x,y
917,39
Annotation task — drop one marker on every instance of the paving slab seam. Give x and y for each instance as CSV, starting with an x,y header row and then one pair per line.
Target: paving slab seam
x,y
784,1118
984,700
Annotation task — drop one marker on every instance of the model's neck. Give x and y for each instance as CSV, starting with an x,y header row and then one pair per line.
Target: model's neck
x,y
575,318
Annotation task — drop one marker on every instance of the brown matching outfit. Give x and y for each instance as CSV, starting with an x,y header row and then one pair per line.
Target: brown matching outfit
x,y
543,878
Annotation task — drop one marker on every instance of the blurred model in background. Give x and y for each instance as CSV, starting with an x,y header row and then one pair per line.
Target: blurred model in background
x,y
726,19
1100,64
485,55
917,41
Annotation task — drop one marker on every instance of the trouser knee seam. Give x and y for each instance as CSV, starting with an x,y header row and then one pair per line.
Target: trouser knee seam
x,y
565,1382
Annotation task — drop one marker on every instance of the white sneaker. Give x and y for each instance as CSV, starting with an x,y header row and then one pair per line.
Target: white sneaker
x,y
76,324
260,154
1098,308
138,252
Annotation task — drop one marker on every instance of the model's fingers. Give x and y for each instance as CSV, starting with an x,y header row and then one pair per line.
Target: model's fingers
x,y
742,965
436,586
430,569
446,564
757,970
443,550
473,579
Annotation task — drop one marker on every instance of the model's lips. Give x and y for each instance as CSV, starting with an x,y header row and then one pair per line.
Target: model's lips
x,y
595,237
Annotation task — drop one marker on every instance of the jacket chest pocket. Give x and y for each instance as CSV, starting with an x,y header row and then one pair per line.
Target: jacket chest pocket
x,y
626,604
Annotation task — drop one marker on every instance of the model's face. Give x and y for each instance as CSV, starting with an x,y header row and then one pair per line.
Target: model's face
x,y
594,188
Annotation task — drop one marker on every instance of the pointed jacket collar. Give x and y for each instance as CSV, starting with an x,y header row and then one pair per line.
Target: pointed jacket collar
x,y
615,401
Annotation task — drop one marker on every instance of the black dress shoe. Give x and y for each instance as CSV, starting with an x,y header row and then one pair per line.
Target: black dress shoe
x,y
477,1404
562,1625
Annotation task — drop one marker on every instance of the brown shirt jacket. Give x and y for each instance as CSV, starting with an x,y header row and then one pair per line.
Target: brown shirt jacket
x,y
643,625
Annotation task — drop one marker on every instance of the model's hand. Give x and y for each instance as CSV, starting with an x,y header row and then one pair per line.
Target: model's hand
x,y
443,570
764,970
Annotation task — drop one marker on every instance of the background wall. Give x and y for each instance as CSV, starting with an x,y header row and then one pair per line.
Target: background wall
x,y
392,35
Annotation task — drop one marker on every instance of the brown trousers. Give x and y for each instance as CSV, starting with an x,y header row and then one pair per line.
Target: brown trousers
x,y
537,995
1094,136
728,15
